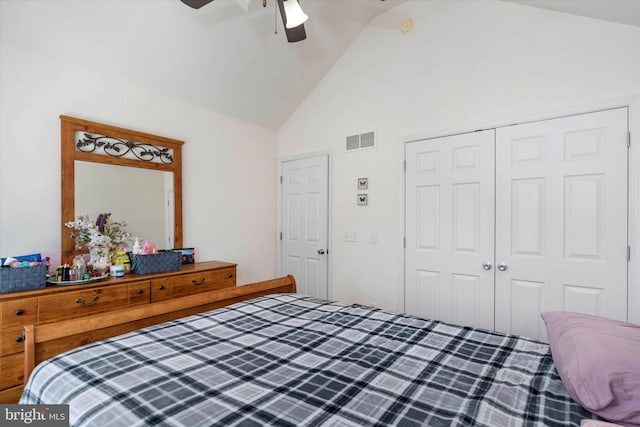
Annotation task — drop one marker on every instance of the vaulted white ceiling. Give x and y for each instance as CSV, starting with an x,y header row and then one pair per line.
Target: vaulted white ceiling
x,y
219,57
621,11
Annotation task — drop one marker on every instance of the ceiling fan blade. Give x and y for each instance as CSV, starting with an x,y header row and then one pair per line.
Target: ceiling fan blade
x,y
196,4
294,34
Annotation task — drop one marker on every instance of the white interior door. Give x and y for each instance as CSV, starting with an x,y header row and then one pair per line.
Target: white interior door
x,y
561,219
305,189
450,229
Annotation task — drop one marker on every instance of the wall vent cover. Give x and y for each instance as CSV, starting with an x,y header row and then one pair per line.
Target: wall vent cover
x,y
362,141
367,140
353,142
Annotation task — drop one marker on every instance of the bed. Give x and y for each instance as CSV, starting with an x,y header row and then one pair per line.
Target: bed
x,y
291,360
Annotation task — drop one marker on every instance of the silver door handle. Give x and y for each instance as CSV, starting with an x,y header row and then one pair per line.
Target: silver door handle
x,y
321,251
486,266
502,266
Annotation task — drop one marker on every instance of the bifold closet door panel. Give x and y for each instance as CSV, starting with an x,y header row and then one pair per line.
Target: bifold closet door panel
x,y
450,228
561,219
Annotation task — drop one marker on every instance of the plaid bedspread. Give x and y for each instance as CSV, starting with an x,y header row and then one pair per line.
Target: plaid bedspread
x,y
292,360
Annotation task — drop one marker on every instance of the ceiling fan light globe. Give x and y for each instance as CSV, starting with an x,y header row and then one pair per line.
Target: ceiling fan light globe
x,y
295,15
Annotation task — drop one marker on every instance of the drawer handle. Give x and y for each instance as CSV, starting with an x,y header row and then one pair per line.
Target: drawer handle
x,y
140,291
230,275
20,338
198,283
87,304
161,287
19,312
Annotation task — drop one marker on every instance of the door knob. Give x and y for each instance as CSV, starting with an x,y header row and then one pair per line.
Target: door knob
x,y
502,266
486,266
320,251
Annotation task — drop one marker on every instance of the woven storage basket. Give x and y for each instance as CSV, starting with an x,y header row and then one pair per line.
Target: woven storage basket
x,y
22,278
156,263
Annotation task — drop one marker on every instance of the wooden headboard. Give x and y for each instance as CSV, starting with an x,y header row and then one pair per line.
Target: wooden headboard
x,y
50,339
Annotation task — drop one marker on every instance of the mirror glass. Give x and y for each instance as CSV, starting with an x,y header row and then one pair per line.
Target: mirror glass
x,y
142,198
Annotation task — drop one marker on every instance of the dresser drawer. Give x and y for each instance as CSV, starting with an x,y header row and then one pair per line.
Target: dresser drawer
x,y
139,293
11,395
193,283
82,303
203,282
12,340
15,314
19,312
11,370
160,290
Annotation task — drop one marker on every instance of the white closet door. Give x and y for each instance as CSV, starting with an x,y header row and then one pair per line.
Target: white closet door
x,y
561,219
450,228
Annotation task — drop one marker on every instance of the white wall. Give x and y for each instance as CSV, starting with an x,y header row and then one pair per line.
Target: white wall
x,y
464,63
226,179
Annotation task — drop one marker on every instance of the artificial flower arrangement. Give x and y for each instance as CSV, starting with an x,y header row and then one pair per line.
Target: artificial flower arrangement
x,y
103,233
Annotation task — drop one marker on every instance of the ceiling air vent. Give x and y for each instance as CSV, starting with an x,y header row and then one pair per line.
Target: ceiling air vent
x,y
362,141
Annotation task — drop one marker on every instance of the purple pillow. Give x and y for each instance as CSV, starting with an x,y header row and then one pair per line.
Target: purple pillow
x,y
599,362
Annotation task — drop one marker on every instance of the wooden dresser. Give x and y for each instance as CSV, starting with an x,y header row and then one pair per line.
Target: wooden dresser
x,y
55,303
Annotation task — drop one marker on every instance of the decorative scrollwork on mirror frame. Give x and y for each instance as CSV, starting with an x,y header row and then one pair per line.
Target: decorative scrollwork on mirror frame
x,y
115,147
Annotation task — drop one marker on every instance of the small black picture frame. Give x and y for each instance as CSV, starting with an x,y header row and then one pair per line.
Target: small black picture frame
x,y
188,255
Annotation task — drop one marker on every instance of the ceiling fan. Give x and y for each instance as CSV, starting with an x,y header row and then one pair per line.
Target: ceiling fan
x,y
292,15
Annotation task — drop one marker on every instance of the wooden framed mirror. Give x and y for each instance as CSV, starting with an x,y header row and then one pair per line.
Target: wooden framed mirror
x,y
111,169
